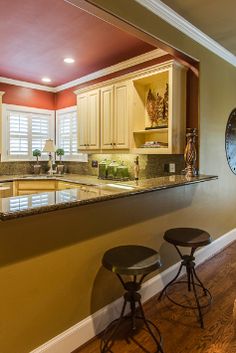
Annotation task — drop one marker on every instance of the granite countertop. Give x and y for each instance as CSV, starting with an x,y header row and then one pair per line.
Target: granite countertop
x,y
90,190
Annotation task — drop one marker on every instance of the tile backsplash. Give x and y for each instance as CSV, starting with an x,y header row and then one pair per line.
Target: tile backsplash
x,y
150,165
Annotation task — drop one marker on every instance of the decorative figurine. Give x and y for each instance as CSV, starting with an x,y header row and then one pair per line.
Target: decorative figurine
x,y
151,108
166,104
190,154
157,109
136,168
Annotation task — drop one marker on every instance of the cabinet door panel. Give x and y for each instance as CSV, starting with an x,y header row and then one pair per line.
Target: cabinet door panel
x,y
107,117
82,121
93,120
121,116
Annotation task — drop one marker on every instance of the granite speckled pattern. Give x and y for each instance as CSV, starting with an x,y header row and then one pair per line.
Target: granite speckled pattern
x,y
92,191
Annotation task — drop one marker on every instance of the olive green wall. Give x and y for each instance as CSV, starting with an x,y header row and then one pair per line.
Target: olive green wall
x,y
50,272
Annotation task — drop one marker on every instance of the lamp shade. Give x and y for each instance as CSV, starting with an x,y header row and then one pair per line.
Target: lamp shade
x,y
49,146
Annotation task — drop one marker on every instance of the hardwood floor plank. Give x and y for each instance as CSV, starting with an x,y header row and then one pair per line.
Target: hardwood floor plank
x,y
179,327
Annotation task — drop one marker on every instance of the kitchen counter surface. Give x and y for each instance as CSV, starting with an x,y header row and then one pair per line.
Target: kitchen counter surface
x,y
90,190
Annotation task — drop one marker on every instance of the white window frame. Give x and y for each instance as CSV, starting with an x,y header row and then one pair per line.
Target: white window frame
x,y
5,130
80,157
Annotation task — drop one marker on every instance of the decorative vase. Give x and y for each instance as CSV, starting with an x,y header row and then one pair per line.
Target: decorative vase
x,y
37,169
190,154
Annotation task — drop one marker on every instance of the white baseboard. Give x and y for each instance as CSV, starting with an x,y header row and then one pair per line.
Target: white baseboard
x,y
86,329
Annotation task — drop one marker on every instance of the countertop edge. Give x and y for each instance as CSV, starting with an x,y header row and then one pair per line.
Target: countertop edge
x,y
78,203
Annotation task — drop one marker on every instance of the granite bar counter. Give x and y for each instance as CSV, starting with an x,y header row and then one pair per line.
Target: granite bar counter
x,y
89,190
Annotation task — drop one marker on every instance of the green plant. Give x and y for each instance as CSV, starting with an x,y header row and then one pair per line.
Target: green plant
x,y
37,154
60,152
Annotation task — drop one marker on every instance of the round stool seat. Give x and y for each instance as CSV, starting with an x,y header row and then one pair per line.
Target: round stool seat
x,y
131,260
189,237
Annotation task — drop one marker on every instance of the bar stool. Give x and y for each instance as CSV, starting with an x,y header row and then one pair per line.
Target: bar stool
x,y
192,238
137,262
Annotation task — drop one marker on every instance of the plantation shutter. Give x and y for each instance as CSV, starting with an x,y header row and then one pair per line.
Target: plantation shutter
x,y
18,134
40,131
67,134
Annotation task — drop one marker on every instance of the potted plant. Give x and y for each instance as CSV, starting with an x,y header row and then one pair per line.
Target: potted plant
x,y
60,168
37,166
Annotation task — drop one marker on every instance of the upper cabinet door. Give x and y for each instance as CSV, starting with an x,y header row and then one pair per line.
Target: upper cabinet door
x,y
93,120
107,138
121,116
82,103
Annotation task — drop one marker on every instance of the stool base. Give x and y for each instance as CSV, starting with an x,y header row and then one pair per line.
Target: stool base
x,y
136,313
192,283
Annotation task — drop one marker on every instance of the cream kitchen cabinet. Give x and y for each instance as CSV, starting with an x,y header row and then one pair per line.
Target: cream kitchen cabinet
x,y
143,112
115,117
88,120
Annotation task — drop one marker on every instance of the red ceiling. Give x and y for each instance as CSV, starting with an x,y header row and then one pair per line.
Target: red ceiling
x,y
35,36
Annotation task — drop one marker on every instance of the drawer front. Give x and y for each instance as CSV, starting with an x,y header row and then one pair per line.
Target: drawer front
x,y
36,184
62,185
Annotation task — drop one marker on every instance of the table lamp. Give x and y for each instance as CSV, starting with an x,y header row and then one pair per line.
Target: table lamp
x,y
49,147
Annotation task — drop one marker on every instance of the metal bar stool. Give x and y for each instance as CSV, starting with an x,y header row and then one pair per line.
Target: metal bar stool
x,y
192,238
136,262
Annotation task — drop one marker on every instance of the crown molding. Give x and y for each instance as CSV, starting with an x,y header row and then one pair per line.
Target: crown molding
x,y
147,71
114,68
26,84
94,75
174,19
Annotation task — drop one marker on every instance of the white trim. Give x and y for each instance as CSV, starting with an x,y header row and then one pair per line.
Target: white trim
x,y
26,84
66,110
82,332
22,108
94,75
114,68
174,19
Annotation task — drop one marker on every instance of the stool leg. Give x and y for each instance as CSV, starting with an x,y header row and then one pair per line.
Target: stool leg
x,y
199,281
133,310
149,329
197,300
172,281
189,278
105,348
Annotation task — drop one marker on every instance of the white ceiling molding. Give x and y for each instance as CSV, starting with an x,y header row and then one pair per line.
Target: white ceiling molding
x,y
174,19
97,74
26,84
114,68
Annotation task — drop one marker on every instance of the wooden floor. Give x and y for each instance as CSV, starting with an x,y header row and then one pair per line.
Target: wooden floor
x,y
179,327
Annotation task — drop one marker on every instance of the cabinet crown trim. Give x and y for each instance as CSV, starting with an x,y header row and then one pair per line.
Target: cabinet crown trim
x,y
157,68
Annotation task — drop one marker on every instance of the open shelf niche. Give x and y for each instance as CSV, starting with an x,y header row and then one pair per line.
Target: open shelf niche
x,y
164,133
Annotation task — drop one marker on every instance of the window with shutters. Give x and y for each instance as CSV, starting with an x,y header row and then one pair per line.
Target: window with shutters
x,y
67,134
25,130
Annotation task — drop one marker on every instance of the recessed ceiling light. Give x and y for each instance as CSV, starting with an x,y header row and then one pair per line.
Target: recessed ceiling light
x,y
46,79
69,60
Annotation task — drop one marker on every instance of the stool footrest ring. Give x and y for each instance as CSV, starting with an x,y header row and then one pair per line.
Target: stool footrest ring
x,y
194,307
